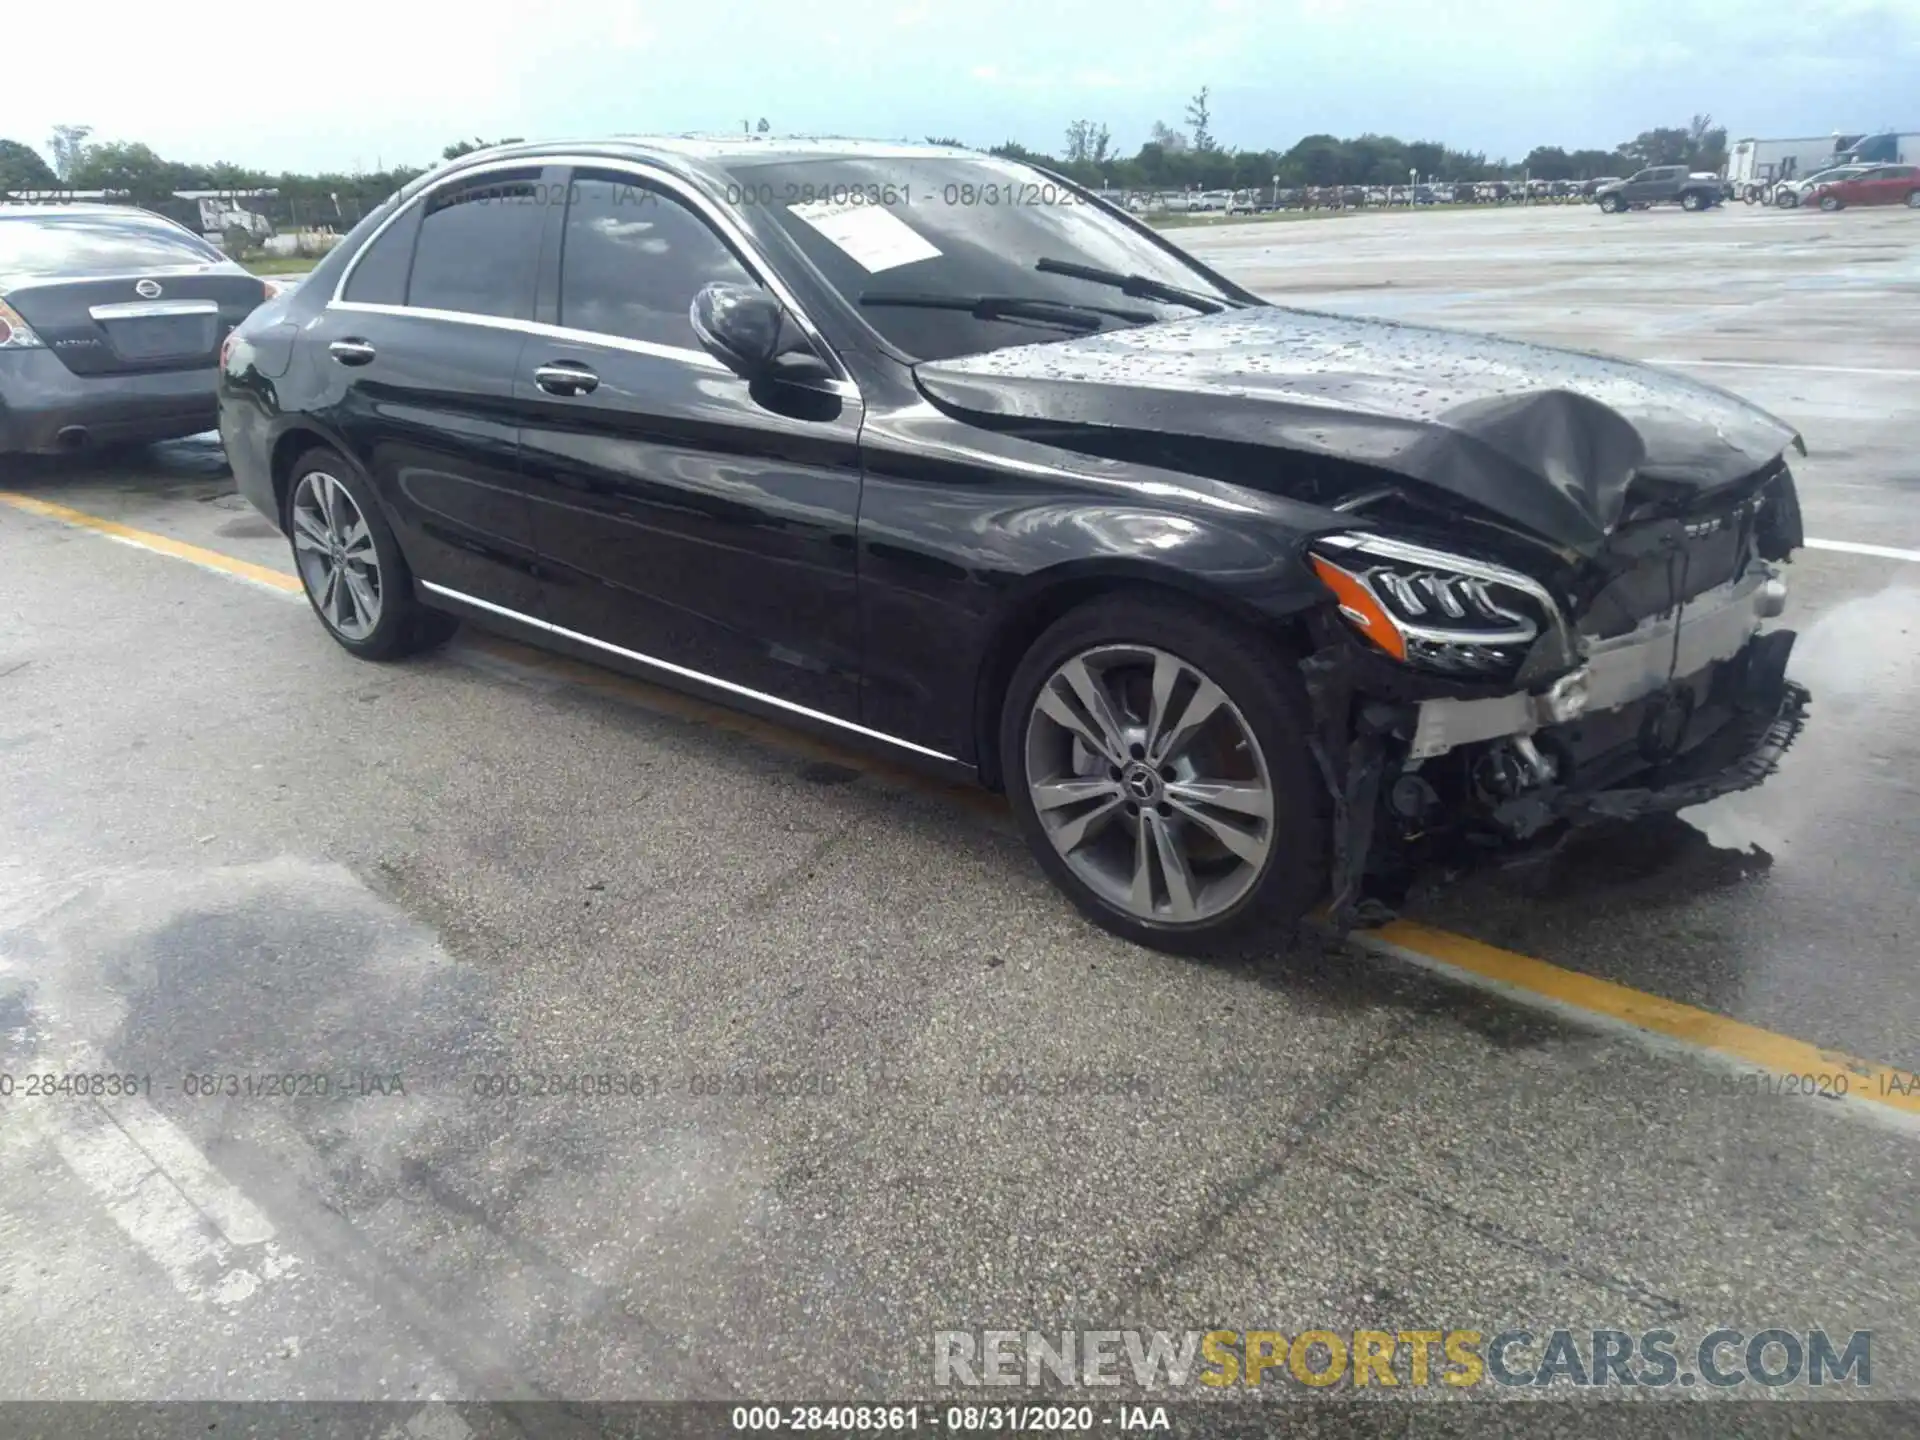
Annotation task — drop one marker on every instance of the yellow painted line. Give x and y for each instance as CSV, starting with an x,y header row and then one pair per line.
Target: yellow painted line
x,y
1747,1047
158,544
1520,977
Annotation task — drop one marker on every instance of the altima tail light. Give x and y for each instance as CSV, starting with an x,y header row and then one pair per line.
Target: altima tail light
x,y
15,333
1434,610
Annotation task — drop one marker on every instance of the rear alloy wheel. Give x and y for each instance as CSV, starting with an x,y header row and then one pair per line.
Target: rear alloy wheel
x,y
351,567
1913,199
1156,760
1693,200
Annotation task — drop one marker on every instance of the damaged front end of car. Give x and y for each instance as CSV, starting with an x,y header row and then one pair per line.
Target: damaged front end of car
x,y
1475,694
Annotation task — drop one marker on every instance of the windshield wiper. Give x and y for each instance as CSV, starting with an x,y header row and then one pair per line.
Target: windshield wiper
x,y
1067,314
1143,287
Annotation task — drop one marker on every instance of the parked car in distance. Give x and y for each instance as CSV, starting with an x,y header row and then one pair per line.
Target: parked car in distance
x,y
1661,185
1875,185
111,321
1030,496
1790,193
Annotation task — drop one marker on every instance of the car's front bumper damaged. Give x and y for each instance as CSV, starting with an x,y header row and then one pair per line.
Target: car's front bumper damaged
x,y
1688,706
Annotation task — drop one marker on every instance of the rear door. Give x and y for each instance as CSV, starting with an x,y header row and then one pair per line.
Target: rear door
x,y
1890,185
121,293
683,515
417,357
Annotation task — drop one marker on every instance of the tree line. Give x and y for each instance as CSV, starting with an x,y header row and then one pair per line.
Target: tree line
x,y
1170,158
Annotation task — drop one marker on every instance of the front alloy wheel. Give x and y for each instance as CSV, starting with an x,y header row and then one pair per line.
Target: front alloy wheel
x,y
1150,784
333,546
1155,754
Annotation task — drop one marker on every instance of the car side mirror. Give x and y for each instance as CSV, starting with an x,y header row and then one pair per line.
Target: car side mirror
x,y
740,326
746,329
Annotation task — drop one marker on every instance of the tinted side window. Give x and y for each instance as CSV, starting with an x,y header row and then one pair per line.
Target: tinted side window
x,y
633,259
380,274
478,247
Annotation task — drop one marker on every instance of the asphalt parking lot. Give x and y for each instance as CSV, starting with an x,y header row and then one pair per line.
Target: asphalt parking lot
x,y
891,1085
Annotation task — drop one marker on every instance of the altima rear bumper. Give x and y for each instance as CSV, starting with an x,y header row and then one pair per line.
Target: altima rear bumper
x,y
47,409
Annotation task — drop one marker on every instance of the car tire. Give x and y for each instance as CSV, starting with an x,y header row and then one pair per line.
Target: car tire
x,y
1217,871
350,565
1829,203
1611,204
1693,200
1913,199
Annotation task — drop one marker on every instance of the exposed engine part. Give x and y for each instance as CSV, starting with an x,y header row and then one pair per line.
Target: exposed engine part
x,y
1506,770
1412,799
1665,728
1540,768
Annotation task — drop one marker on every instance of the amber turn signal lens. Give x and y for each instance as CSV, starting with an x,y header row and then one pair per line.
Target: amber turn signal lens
x,y
1362,611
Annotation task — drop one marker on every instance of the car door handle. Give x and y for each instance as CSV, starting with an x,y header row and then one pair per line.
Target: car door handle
x,y
566,377
351,352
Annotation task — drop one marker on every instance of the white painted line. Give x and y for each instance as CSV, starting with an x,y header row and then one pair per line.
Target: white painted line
x,y
240,1220
1854,547
165,1196
1789,365
153,1212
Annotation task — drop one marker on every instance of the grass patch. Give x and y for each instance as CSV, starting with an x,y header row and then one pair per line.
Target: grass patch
x,y
281,264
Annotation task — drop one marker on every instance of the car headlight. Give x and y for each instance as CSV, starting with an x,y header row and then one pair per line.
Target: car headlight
x,y
1433,609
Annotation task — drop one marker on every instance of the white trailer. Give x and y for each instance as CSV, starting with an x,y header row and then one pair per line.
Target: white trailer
x,y
1764,163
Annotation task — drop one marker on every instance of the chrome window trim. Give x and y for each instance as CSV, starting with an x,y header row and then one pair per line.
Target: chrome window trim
x,y
144,309
698,358
755,262
684,673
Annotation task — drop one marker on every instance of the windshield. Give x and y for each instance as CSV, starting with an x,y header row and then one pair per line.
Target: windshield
x,y
104,244
962,228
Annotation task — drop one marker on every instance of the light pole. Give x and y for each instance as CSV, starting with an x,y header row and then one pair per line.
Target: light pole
x,y
1276,192
1413,179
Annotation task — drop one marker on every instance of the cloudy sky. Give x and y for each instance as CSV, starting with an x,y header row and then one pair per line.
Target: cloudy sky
x,y
353,83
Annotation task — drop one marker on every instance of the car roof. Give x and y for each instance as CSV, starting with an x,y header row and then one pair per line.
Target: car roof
x,y
712,152
708,158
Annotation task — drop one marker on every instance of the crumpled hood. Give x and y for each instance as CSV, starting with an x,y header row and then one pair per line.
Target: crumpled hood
x,y
1548,439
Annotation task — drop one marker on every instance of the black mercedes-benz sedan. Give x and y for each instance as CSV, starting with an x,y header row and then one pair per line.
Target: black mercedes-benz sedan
x,y
1244,607
111,321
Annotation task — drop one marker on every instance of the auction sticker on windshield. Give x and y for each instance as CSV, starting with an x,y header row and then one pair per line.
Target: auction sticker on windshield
x,y
876,239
